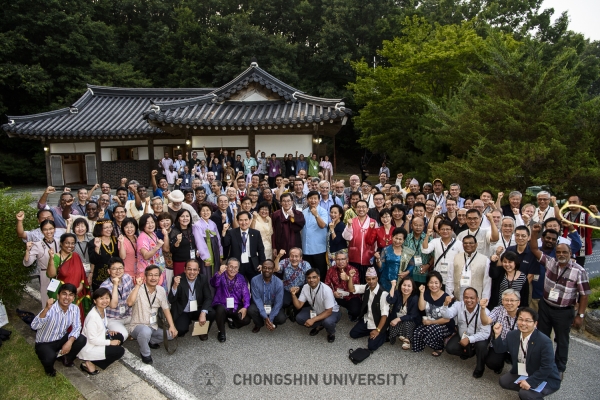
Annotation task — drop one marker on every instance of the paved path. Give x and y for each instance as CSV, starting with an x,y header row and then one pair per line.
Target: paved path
x,y
418,375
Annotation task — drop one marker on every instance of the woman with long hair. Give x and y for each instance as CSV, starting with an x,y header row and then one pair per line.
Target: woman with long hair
x,y
105,246
66,266
208,242
128,247
181,238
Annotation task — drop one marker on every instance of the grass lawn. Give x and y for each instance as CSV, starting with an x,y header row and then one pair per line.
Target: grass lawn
x,y
22,376
595,286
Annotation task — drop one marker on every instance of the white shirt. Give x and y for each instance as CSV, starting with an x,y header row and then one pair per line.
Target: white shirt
x,y
323,298
383,305
525,343
483,236
447,262
487,281
247,243
548,213
472,325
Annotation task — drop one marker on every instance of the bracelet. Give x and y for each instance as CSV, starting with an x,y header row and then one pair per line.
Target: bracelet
x,y
378,330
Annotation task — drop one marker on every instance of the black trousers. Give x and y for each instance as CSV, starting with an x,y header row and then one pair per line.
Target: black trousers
x,y
478,349
248,271
507,381
111,353
353,306
362,272
559,319
317,261
272,182
222,313
183,321
48,351
495,361
254,313
580,260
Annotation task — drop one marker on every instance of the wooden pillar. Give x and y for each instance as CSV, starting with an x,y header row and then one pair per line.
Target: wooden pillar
x,y
334,158
98,161
47,159
150,156
251,143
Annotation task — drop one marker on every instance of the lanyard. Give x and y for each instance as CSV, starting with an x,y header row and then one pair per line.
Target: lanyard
x,y
510,283
83,252
475,316
544,217
470,262
523,349
315,295
445,250
508,322
560,276
134,246
476,233
189,236
504,243
53,245
266,289
192,287
60,264
148,296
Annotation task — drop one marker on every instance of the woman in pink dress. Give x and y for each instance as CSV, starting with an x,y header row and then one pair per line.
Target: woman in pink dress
x,y
150,247
128,247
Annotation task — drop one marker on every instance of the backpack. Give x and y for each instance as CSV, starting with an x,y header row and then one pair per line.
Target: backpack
x,y
359,355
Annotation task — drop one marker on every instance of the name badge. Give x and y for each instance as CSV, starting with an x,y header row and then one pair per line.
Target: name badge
x,y
292,168
187,181
465,281
536,278
268,309
161,260
274,170
443,267
298,207
122,310
553,295
193,305
229,177
192,254
53,285
230,303
314,166
521,369
313,313
418,261
153,318
236,170
245,259
87,267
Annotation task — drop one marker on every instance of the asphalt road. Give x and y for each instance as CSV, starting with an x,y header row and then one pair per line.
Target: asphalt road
x,y
290,350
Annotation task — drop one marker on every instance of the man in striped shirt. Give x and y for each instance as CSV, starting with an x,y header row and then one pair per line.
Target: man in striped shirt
x,y
52,339
565,285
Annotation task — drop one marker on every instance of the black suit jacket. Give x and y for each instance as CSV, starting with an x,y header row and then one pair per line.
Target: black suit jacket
x,y
180,300
233,238
539,363
217,218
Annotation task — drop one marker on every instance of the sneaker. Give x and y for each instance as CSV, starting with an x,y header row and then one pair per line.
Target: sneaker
x,y
146,360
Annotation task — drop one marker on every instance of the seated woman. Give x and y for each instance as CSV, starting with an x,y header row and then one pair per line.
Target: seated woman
x,y
66,266
391,258
404,312
435,328
505,274
103,347
506,315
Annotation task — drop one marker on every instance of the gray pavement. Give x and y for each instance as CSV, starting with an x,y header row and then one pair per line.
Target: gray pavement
x,y
290,350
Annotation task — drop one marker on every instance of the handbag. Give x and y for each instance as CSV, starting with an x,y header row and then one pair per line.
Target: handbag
x,y
170,345
359,355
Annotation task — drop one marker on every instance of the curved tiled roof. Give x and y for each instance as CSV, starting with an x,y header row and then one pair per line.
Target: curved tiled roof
x,y
101,111
292,107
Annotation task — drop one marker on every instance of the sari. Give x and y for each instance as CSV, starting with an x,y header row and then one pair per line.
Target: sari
x,y
71,271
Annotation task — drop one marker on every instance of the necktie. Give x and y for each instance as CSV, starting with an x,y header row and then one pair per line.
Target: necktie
x,y
244,238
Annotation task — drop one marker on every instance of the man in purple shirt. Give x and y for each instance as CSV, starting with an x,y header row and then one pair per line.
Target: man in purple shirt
x,y
57,211
274,169
232,298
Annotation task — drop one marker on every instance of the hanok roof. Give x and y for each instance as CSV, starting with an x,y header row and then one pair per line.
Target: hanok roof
x,y
100,112
253,98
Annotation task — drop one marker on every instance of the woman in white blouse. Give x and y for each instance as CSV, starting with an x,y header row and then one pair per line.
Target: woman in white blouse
x,y
103,347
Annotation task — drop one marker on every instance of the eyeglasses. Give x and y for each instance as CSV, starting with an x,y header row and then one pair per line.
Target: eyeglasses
x,y
543,199
472,218
153,276
527,321
509,301
118,269
521,236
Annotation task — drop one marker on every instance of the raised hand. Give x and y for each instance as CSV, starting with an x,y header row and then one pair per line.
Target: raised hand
x,y
281,253
159,243
139,280
222,269
179,237
294,290
447,300
154,172
29,246
483,303
500,195
344,276
116,281
498,329
499,250
422,289
515,211
50,189
536,228
20,216
120,239
49,303
176,281
352,273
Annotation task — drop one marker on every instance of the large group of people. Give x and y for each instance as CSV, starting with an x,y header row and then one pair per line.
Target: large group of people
x,y
230,241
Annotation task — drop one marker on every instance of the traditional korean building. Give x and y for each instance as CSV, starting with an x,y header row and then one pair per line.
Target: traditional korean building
x,y
110,133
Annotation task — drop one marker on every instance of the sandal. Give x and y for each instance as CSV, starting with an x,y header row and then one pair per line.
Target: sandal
x,y
437,353
406,344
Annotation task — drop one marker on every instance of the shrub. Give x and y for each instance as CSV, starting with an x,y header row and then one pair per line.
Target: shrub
x,y
13,275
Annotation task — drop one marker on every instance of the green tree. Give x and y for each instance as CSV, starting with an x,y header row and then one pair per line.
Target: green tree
x,y
429,60
13,274
519,121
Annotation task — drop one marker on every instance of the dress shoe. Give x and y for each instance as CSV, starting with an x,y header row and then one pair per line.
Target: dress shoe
x,y
315,331
331,338
498,371
154,345
67,363
477,374
51,374
203,337
256,329
85,369
560,375
146,360
231,325
292,317
221,337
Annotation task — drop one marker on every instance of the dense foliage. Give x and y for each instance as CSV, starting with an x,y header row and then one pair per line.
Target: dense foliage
x,y
413,67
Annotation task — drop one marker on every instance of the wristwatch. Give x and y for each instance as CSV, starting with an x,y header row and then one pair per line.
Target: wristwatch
x,y
581,315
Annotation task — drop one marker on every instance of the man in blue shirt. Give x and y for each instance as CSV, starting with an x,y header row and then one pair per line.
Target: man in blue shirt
x,y
52,323
267,299
314,234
